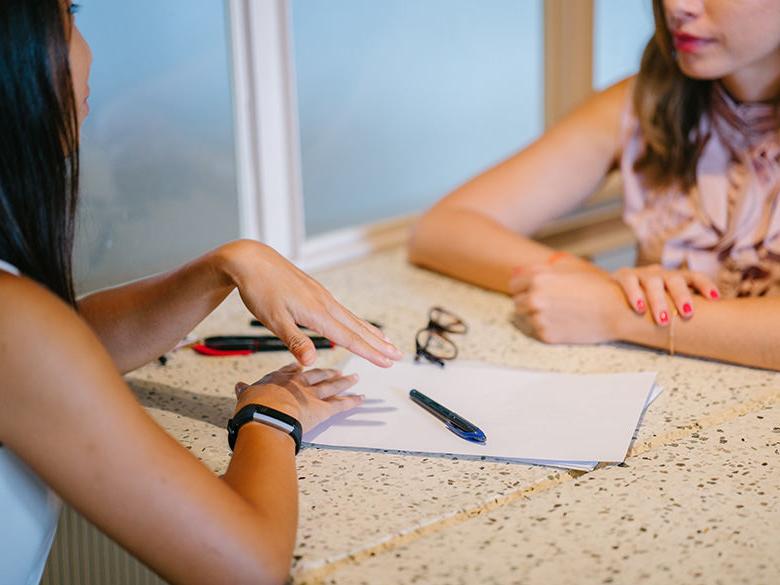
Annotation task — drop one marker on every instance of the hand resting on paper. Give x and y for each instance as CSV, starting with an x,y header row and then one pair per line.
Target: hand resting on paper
x,y
311,396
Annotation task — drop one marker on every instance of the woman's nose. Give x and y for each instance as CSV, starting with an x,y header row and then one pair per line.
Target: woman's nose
x,y
681,11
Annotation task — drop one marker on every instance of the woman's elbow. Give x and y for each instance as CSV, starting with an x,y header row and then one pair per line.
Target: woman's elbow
x,y
263,560
423,233
260,570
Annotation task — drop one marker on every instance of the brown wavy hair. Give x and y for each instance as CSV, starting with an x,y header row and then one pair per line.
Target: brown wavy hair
x,y
668,105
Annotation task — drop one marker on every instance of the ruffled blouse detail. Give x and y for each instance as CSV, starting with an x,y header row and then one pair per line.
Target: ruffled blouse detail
x,y
728,224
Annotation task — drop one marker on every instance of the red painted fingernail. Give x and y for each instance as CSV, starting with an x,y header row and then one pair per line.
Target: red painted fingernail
x,y
714,294
687,308
663,316
640,305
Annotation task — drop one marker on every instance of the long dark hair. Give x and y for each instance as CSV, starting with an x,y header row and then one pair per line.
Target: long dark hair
x,y
669,106
39,158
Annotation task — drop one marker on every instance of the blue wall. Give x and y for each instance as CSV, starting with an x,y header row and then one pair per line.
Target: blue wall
x,y
622,29
159,179
400,101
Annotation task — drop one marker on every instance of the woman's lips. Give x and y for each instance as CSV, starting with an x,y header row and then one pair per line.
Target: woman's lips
x,y
686,43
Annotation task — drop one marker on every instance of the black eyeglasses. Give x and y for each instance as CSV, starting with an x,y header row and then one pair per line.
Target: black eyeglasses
x,y
432,342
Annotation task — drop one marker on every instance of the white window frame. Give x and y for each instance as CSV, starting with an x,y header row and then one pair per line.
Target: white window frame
x,y
268,150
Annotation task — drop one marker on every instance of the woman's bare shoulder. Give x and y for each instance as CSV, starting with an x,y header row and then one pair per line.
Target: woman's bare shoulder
x,y
26,305
36,326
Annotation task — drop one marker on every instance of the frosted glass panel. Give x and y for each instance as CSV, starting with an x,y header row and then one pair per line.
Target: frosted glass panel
x,y
622,29
401,101
158,161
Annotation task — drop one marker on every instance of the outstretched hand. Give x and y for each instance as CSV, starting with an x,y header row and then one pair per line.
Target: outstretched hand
x,y
283,297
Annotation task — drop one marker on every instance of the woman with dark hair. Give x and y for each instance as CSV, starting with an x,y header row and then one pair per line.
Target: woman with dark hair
x,y
696,136
68,423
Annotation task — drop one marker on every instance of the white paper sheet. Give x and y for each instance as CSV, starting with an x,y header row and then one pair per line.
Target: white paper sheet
x,y
563,420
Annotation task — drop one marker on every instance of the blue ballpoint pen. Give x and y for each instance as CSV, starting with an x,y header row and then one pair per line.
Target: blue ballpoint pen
x,y
454,422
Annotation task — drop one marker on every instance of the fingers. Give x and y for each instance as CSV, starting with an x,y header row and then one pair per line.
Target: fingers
x,y
521,280
296,341
333,386
372,328
681,294
343,403
635,296
704,284
522,304
367,332
317,375
354,342
654,287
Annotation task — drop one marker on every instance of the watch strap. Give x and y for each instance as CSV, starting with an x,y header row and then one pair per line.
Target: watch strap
x,y
267,416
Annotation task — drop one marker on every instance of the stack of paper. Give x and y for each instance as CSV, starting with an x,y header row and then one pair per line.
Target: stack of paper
x,y
563,420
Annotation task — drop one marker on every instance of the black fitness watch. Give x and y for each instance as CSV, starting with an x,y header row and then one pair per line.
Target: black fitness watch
x,y
267,416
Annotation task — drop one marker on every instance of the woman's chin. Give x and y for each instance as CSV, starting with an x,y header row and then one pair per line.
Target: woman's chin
x,y
701,70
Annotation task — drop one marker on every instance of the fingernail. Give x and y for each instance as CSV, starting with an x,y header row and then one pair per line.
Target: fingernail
x,y
714,294
663,317
354,377
517,270
687,308
640,305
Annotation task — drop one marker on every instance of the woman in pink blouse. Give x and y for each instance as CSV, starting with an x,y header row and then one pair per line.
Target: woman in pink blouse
x,y
696,135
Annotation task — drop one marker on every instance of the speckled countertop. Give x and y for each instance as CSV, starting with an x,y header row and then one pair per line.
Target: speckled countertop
x,y
697,500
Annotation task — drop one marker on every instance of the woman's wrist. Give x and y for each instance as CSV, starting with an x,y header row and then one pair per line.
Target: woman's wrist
x,y
256,432
641,330
272,396
229,260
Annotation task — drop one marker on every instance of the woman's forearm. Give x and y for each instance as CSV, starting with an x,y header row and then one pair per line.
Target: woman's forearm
x,y
479,232
142,320
742,331
261,453
472,247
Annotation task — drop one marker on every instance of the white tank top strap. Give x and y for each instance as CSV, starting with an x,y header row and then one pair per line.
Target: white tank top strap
x,y
8,267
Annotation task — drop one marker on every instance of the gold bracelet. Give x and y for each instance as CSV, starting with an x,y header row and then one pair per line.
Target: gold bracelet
x,y
671,331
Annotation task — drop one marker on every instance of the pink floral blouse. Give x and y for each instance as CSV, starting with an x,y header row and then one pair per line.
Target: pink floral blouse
x,y
728,224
